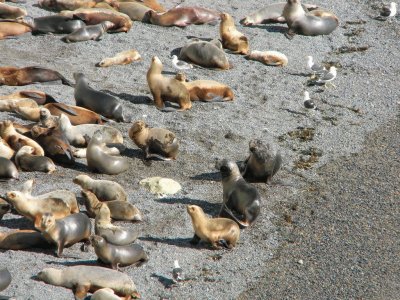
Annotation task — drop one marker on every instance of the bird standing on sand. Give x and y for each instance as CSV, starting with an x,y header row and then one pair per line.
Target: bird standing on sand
x,y
314,67
179,64
308,103
327,77
177,272
387,12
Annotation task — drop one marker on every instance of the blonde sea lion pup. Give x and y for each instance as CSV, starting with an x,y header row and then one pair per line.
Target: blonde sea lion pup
x,y
5,150
26,161
166,89
213,231
65,232
231,38
17,140
270,58
161,186
121,58
11,12
84,279
11,104
115,235
206,90
120,210
155,142
105,190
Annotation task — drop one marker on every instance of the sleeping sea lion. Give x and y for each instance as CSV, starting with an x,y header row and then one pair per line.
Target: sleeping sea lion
x,y
26,161
87,33
28,75
22,239
105,190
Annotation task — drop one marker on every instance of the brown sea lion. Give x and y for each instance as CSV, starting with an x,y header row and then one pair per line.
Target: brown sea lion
x,y
59,5
231,38
11,12
13,104
89,32
22,239
26,161
118,256
153,4
65,232
28,75
183,16
82,115
238,195
166,89
155,142
121,58
120,210
8,169
8,29
135,10
5,150
39,97
270,58
4,207
105,190
84,279
53,24
214,230
206,90
17,140
299,22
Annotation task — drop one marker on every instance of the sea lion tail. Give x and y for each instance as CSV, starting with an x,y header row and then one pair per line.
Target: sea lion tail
x,y
65,81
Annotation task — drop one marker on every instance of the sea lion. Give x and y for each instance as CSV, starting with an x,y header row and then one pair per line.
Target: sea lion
x,y
5,150
166,89
155,142
4,207
105,190
26,161
214,230
55,144
84,279
115,235
11,12
22,239
206,90
102,103
76,135
10,28
28,113
23,129
39,97
87,33
65,232
11,105
299,22
270,58
182,16
81,115
23,76
118,255
17,140
54,24
104,294
231,38
205,54
263,162
82,152
272,13
238,195
59,5
47,120
153,4
8,169
135,10
121,58
94,16
99,161
5,279
120,210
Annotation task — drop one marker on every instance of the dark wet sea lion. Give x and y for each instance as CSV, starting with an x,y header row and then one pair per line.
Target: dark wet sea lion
x,y
90,32
5,279
8,169
55,24
22,239
26,161
28,75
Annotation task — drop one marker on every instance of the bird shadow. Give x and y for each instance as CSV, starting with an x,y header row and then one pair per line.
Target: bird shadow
x,y
212,176
276,28
132,98
179,242
18,223
209,208
165,281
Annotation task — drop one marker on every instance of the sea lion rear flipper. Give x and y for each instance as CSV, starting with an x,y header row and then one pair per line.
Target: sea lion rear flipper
x,y
226,212
215,98
168,109
68,111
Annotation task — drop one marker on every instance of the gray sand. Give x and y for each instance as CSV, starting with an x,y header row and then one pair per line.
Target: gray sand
x,y
365,98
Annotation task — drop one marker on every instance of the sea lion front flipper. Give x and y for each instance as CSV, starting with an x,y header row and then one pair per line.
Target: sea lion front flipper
x,y
81,291
195,240
290,34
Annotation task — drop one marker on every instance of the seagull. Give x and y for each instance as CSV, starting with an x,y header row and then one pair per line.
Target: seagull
x,y
179,64
308,103
177,272
315,68
327,77
389,11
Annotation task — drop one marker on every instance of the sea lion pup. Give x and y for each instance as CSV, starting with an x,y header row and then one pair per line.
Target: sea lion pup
x,y
22,239
307,24
238,195
65,232
8,169
115,235
11,12
270,58
166,89
4,207
11,28
23,76
5,279
155,142
54,24
55,144
205,54
263,162
118,255
213,231
87,33
47,120
135,10
231,38
84,279
94,16
182,16
76,114
101,103
120,210
105,190
26,161
104,294
121,58
16,140
206,90
5,150
76,135
99,161
271,14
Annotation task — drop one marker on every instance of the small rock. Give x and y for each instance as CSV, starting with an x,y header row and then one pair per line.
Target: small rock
x,y
300,262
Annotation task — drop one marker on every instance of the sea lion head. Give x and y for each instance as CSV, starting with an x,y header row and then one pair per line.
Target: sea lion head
x,y
97,240
47,221
78,76
193,210
81,179
14,196
25,150
227,168
50,275
137,127
44,113
180,76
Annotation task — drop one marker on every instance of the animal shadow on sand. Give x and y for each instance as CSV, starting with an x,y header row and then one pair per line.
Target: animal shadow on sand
x,y
76,263
276,28
209,208
179,242
211,176
131,98
17,223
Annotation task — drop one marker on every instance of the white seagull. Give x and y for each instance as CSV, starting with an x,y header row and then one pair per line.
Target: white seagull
x,y
308,103
179,64
314,67
327,77
389,11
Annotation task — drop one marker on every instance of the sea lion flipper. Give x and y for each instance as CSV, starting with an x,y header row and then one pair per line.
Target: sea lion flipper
x,y
81,291
65,109
195,240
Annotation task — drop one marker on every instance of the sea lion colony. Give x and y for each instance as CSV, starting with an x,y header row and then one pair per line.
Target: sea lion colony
x,y
242,202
